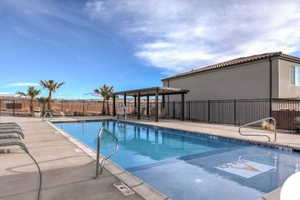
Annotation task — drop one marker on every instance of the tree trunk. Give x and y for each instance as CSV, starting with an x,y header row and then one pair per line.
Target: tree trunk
x,y
107,105
31,106
103,107
49,101
43,108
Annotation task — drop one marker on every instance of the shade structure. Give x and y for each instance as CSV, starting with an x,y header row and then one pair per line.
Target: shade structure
x,y
151,91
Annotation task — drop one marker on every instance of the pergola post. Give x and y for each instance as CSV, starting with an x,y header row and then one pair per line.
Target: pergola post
x,y
148,106
156,105
134,103
114,105
182,107
125,102
139,106
163,102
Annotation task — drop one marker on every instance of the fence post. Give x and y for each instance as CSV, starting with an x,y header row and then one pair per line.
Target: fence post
x,y
208,111
62,105
83,109
189,108
168,108
182,107
234,111
14,107
173,109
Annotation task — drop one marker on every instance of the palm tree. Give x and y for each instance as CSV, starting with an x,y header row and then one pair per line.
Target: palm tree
x,y
43,101
106,92
32,93
52,87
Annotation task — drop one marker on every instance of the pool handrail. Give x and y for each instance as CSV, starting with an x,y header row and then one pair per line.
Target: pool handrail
x,y
125,111
257,121
101,164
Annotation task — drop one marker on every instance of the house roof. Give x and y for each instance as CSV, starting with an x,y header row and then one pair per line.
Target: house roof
x,y
152,91
236,61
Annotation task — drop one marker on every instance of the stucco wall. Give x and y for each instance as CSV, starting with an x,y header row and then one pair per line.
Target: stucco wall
x,y
246,81
286,88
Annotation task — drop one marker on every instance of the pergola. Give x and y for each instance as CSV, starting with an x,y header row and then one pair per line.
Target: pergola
x,y
147,92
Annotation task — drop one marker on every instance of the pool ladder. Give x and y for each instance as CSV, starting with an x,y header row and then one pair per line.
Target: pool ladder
x,y
257,121
100,164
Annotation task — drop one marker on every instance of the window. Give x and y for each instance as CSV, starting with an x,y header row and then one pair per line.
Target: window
x,y
295,75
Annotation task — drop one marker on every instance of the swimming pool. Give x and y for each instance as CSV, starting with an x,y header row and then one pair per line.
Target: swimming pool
x,y
188,166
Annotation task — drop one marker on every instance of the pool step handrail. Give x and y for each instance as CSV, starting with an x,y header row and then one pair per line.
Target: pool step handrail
x,y
257,121
46,115
101,164
125,111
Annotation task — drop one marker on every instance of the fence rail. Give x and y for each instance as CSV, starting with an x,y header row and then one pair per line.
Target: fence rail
x,y
233,111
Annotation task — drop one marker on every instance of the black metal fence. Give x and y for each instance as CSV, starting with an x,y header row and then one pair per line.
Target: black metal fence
x,y
233,111
219,111
236,111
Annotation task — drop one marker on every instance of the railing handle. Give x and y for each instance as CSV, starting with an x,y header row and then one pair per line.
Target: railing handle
x,y
101,165
261,120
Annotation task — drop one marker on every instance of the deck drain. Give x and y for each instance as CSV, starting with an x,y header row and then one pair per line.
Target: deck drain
x,y
124,189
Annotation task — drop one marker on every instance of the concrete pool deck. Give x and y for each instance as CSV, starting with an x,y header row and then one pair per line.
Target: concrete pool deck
x,y
68,171
83,169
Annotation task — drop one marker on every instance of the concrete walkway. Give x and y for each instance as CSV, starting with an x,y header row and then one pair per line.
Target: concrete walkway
x,y
68,172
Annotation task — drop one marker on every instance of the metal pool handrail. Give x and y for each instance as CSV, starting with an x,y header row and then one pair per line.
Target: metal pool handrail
x,y
101,164
255,122
125,111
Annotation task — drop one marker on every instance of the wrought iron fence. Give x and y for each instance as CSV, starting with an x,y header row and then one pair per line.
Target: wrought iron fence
x,y
233,111
236,111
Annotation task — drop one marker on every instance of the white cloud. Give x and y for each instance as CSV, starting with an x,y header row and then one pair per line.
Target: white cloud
x,y
176,35
22,84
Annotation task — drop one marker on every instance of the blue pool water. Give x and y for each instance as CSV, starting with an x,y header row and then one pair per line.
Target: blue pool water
x,y
187,166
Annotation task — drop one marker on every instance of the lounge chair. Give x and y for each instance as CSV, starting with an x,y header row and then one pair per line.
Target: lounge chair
x,y
10,131
10,135
17,142
12,142
10,127
9,124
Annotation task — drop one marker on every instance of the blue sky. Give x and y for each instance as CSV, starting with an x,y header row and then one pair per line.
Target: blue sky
x,y
133,43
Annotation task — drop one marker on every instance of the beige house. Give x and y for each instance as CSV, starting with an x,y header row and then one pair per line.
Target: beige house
x,y
275,75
